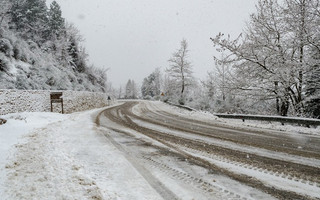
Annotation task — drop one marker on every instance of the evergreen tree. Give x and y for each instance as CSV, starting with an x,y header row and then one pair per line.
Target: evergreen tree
x,y
37,19
145,90
56,21
73,51
151,85
131,90
78,55
30,18
18,15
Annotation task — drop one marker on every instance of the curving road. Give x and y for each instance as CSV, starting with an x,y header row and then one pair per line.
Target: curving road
x,y
189,156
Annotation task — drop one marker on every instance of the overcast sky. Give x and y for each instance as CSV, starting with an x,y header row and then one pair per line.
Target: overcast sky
x,y
133,37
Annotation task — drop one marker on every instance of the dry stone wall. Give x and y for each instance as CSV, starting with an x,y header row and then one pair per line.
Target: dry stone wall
x,y
12,101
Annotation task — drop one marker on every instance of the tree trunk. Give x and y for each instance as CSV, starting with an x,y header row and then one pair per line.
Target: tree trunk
x,y
302,44
284,107
276,88
182,83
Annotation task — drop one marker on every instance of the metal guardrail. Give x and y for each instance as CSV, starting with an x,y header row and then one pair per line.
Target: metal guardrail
x,y
290,120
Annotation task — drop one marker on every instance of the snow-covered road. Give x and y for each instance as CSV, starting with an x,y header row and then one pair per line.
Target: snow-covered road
x,y
259,162
150,150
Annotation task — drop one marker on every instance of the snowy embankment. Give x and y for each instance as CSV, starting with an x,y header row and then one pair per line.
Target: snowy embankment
x,y
54,156
13,134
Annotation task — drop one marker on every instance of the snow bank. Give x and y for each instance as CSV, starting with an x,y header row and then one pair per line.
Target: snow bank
x,y
71,159
15,101
13,134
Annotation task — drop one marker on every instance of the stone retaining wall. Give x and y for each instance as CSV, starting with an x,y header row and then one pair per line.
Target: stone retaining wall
x,y
13,101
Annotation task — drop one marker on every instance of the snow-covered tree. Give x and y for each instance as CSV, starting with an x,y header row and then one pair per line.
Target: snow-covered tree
x,y
180,68
210,85
219,88
56,21
120,93
302,22
4,11
18,15
271,56
312,88
131,90
151,85
170,89
77,54
223,78
312,106
30,18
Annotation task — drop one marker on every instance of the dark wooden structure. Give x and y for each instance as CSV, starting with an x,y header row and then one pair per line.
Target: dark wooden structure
x,y
56,97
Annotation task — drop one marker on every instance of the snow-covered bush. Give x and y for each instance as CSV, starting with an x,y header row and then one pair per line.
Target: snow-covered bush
x,y
182,101
148,97
6,47
4,62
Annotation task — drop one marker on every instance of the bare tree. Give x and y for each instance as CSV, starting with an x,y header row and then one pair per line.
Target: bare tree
x,y
223,77
210,85
180,68
273,51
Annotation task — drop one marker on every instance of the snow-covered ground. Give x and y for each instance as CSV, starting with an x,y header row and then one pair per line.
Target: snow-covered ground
x,y
53,156
14,133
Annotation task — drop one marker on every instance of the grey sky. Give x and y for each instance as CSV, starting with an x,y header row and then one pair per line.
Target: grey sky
x,y
133,37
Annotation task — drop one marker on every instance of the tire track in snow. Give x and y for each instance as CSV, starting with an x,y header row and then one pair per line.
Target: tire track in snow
x,y
284,177
166,138
281,142
217,191
163,191
297,166
129,142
